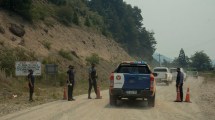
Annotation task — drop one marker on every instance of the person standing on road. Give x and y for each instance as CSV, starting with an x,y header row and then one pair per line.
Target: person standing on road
x,y
71,82
179,82
31,80
92,80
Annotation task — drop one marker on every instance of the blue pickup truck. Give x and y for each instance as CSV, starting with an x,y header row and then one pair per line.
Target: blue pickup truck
x,y
132,79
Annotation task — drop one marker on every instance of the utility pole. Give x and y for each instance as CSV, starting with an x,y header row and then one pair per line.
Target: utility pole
x,y
159,59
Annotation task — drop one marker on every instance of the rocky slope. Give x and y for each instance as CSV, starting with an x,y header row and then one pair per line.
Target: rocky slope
x,y
45,39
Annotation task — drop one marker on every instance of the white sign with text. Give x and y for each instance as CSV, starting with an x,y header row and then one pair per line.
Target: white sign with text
x,y
22,67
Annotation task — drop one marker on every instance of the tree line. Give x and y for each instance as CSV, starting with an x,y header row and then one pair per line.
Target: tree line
x,y
199,61
113,18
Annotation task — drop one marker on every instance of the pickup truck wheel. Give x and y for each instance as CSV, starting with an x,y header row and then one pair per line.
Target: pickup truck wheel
x,y
151,101
113,100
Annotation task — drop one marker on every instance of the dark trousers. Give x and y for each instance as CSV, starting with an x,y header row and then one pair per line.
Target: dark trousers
x,y
31,91
181,90
92,83
70,91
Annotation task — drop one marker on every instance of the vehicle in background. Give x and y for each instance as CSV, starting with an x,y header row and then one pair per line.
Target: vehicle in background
x,y
174,73
192,73
163,75
132,79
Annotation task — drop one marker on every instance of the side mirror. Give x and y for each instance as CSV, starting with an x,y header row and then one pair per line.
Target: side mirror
x,y
155,74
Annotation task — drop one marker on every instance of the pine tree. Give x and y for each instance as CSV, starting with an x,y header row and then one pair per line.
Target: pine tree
x,y
182,59
87,22
76,19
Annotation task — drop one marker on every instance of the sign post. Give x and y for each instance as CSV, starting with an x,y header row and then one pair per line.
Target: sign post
x,y
52,69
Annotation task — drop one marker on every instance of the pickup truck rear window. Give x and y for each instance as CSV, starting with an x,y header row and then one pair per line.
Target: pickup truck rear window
x,y
160,70
133,69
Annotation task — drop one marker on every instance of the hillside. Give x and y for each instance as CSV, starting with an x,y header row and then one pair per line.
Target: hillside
x,y
111,18
45,43
162,57
82,43
65,32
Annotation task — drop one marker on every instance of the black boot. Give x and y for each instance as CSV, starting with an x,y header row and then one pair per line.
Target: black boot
x,y
89,95
31,97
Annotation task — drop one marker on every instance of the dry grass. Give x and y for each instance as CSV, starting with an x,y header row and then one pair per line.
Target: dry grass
x,y
3,75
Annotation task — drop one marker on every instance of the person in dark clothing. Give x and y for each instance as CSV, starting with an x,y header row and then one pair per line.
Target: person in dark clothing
x,y
92,80
31,84
179,82
71,82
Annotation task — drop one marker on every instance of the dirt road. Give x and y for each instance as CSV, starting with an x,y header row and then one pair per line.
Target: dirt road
x,y
99,109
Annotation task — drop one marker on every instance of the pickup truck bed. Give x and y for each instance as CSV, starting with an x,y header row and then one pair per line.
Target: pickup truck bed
x,y
163,75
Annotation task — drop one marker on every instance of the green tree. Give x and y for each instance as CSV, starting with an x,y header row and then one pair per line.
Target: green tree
x,y
58,2
124,22
8,57
201,61
21,7
65,14
182,62
87,22
76,19
8,60
175,63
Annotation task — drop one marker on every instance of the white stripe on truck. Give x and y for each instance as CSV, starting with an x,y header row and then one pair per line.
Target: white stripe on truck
x,y
118,80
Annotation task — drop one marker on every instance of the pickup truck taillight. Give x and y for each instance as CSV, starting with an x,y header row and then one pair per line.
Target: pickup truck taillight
x,y
111,80
152,78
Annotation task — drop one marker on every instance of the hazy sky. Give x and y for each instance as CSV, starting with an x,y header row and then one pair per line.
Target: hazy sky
x,y
187,24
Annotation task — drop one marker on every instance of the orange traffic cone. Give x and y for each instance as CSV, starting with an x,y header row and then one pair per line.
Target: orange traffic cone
x,y
187,99
178,98
64,94
98,96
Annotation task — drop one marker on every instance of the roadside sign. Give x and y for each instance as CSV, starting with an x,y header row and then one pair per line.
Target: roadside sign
x,y
51,69
22,67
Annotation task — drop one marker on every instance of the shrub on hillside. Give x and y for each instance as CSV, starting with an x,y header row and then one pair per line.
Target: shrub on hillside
x,y
76,19
50,60
8,57
64,15
94,58
87,22
65,54
47,45
39,12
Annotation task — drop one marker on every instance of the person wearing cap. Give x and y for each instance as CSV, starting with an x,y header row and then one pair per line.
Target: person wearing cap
x,y
31,80
70,82
92,80
179,82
